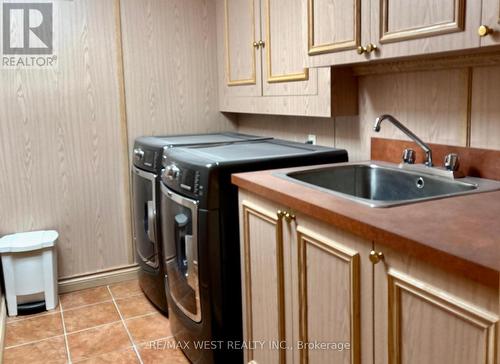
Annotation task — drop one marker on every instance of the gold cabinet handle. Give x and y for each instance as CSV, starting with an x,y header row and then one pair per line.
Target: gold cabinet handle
x,y
288,216
361,50
376,257
484,30
370,47
256,45
262,44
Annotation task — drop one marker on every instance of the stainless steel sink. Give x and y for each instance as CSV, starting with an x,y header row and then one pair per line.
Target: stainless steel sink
x,y
380,184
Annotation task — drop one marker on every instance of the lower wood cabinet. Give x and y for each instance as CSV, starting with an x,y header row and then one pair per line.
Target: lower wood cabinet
x,y
426,315
334,294
263,284
315,294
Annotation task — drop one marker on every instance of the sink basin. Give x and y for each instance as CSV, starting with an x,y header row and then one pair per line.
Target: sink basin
x,y
380,184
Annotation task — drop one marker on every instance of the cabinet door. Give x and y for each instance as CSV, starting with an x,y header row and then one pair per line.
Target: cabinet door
x,y
283,53
427,315
491,19
335,29
409,27
334,295
263,265
241,28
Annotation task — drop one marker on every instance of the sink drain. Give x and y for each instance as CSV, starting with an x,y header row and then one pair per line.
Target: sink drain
x,y
420,182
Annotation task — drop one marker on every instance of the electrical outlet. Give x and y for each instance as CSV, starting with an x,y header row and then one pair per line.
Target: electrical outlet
x,y
311,139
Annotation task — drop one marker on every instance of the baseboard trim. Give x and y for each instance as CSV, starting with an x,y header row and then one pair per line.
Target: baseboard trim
x,y
3,323
116,275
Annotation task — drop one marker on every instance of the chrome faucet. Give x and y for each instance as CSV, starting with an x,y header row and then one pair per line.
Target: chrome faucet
x,y
408,132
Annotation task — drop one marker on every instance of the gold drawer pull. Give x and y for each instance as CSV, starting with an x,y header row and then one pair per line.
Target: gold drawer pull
x,y
288,216
484,30
370,47
376,257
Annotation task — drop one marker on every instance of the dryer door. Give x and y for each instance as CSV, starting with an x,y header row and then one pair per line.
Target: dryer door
x,y
179,224
144,192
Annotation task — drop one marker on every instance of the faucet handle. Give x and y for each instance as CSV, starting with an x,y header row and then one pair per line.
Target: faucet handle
x,y
451,162
409,156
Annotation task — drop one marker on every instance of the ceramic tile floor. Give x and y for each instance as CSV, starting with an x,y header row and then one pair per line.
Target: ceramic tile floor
x,y
108,324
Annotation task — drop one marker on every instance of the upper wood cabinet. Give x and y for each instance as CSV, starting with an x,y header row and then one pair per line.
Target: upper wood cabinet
x,y
354,31
404,27
241,29
490,23
335,30
262,63
283,57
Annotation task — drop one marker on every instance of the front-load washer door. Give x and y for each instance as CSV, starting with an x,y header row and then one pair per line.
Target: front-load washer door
x,y
144,193
179,224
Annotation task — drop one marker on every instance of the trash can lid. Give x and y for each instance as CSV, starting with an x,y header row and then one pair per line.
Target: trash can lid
x,y
25,242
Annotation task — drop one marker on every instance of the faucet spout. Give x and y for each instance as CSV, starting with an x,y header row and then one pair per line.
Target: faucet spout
x,y
408,132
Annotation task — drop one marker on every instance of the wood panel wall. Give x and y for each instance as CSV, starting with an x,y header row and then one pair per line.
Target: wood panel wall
x,y
485,108
65,132
63,159
457,106
170,59
433,104
294,128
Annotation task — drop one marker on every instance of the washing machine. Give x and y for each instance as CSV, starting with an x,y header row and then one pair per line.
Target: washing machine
x,y
146,170
200,237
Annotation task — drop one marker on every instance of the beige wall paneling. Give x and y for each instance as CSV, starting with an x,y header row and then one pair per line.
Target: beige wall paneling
x,y
334,31
433,104
426,315
491,19
485,108
406,27
283,71
333,292
170,61
63,154
294,128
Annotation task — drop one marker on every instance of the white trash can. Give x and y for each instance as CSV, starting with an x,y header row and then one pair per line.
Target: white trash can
x,y
29,263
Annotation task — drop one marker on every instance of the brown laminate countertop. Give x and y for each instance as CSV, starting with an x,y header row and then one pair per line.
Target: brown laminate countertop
x,y
461,234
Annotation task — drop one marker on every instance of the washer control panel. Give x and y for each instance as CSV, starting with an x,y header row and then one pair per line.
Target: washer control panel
x,y
172,172
182,179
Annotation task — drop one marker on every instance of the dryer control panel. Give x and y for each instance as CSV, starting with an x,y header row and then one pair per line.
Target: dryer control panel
x,y
146,159
182,179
